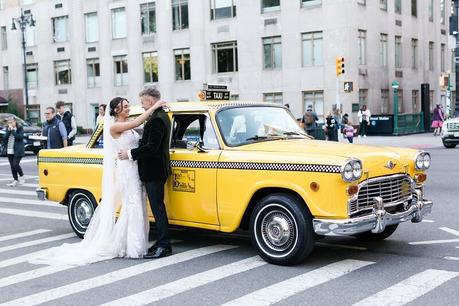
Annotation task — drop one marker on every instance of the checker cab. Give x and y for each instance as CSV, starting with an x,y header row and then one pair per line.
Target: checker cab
x,y
249,165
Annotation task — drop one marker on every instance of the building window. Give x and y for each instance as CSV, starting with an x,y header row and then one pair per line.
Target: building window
x,y
224,57
93,68
91,27
415,100
3,38
431,12
34,113
314,101
442,12
60,29
148,18
119,23
182,64
414,8
383,50
363,97
6,78
220,9
272,52
431,55
270,5
398,6
121,70
179,14
442,57
305,3
400,101
384,101
312,49
383,5
414,53
62,72
398,52
150,67
274,97
29,36
362,47
32,75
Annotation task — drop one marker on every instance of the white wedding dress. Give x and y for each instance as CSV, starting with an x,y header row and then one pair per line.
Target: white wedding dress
x,y
106,236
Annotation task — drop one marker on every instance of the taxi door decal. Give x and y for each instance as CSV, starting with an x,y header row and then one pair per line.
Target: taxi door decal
x,y
183,180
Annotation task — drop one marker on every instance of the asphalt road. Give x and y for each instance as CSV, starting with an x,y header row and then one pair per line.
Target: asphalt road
x,y
418,265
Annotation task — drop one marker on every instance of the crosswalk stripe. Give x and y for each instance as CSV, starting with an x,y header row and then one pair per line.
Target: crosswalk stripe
x,y
279,291
35,242
29,202
24,234
22,162
409,289
111,277
20,259
450,230
30,185
188,283
434,241
32,274
33,213
18,192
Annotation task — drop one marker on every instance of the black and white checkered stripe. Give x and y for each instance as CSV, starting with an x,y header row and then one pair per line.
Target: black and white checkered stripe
x,y
256,166
71,160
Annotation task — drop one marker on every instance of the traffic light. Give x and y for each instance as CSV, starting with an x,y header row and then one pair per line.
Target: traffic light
x,y
339,65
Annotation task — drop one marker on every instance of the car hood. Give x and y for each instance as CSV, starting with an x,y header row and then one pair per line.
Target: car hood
x,y
452,119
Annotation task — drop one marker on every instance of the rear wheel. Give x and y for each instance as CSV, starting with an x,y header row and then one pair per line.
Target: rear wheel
x,y
281,229
449,145
80,210
369,236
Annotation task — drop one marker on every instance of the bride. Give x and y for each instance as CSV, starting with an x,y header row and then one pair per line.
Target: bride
x,y
105,236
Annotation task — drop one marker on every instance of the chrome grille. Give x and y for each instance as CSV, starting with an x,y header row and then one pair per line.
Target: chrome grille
x,y
394,189
452,126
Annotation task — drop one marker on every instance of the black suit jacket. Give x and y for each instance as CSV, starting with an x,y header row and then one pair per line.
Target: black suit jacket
x,y
153,153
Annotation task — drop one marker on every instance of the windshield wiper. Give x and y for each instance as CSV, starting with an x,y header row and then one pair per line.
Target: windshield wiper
x,y
291,133
256,137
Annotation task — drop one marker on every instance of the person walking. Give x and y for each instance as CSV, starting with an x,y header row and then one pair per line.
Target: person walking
x,y
54,129
331,127
309,123
438,118
101,115
69,121
348,131
14,144
364,120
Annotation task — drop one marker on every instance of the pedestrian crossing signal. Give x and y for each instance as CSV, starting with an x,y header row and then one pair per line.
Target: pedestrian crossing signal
x,y
339,65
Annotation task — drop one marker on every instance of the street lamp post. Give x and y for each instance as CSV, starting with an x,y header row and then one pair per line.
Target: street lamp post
x,y
395,86
23,21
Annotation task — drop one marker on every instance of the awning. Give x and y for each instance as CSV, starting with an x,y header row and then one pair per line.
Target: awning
x,y
3,101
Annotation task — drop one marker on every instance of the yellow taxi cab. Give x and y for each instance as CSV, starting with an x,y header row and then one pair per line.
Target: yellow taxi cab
x,y
249,165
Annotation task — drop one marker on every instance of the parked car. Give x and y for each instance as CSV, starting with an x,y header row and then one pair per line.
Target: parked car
x,y
249,165
450,133
29,130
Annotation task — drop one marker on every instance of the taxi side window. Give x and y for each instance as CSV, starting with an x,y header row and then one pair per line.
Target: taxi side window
x,y
191,129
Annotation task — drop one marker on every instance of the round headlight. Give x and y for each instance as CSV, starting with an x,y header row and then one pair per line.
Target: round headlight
x,y
357,170
426,161
420,162
347,173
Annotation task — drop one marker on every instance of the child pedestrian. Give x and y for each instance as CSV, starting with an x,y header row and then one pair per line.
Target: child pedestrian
x,y
349,131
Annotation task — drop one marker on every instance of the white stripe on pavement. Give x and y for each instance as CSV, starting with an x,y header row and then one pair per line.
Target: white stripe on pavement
x,y
279,291
32,274
108,278
188,283
29,202
35,242
450,230
23,161
409,289
20,259
434,241
33,213
451,258
30,185
18,192
24,234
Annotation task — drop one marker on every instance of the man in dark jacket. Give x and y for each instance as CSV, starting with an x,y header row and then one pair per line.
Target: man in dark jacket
x,y
54,129
68,119
154,167
13,143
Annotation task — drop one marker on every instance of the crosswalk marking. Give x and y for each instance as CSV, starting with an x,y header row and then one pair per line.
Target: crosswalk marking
x,y
30,185
22,162
279,291
188,283
32,274
409,289
33,213
450,230
111,277
29,202
434,241
19,259
36,242
17,192
24,234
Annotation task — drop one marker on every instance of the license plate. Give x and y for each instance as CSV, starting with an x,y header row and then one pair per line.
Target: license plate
x,y
36,143
456,134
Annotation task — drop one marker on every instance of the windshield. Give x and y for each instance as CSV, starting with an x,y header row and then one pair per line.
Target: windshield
x,y
242,125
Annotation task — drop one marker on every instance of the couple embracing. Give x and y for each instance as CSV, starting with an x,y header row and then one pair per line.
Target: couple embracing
x,y
129,168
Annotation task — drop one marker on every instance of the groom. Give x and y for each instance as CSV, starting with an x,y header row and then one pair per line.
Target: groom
x,y
154,167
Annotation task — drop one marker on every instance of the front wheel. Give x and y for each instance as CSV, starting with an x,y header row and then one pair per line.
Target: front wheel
x,y
281,229
80,210
369,236
449,145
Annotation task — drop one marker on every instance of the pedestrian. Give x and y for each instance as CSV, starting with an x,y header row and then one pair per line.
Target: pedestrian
x,y
348,131
101,115
13,141
438,118
69,121
364,120
309,123
54,130
331,127
344,121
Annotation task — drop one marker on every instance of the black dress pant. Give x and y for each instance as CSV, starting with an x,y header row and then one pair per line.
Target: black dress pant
x,y
155,192
363,128
14,164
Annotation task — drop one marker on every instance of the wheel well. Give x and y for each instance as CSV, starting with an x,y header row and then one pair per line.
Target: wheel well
x,y
258,196
70,191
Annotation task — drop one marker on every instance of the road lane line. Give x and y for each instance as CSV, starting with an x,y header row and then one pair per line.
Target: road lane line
x,y
409,289
34,214
24,234
22,162
18,192
35,242
20,259
450,230
188,283
340,246
428,221
30,185
111,277
280,291
451,258
434,241
29,202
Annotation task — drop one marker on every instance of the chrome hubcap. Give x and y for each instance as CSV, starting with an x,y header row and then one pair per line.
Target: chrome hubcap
x,y
277,231
83,213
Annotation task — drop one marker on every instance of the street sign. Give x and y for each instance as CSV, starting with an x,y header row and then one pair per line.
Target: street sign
x,y
395,84
348,86
217,95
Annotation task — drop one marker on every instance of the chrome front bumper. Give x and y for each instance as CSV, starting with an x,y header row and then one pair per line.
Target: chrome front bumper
x,y
377,221
41,194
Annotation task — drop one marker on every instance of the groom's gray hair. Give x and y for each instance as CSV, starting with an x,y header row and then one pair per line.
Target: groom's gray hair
x,y
150,91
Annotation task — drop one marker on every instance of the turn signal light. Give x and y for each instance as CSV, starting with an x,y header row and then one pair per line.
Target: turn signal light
x,y
352,190
420,178
314,186
45,172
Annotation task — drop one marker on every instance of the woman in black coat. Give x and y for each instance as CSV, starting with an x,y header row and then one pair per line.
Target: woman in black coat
x,y
13,143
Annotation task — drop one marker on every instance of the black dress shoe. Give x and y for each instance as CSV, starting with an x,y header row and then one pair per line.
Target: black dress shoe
x,y
159,252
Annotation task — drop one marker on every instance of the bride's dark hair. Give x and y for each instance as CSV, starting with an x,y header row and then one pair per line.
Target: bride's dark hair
x,y
115,105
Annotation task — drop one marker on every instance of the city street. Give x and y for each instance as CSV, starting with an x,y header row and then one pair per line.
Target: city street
x,y
419,264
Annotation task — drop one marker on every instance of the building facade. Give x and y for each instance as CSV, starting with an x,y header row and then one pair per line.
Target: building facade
x,y
85,52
